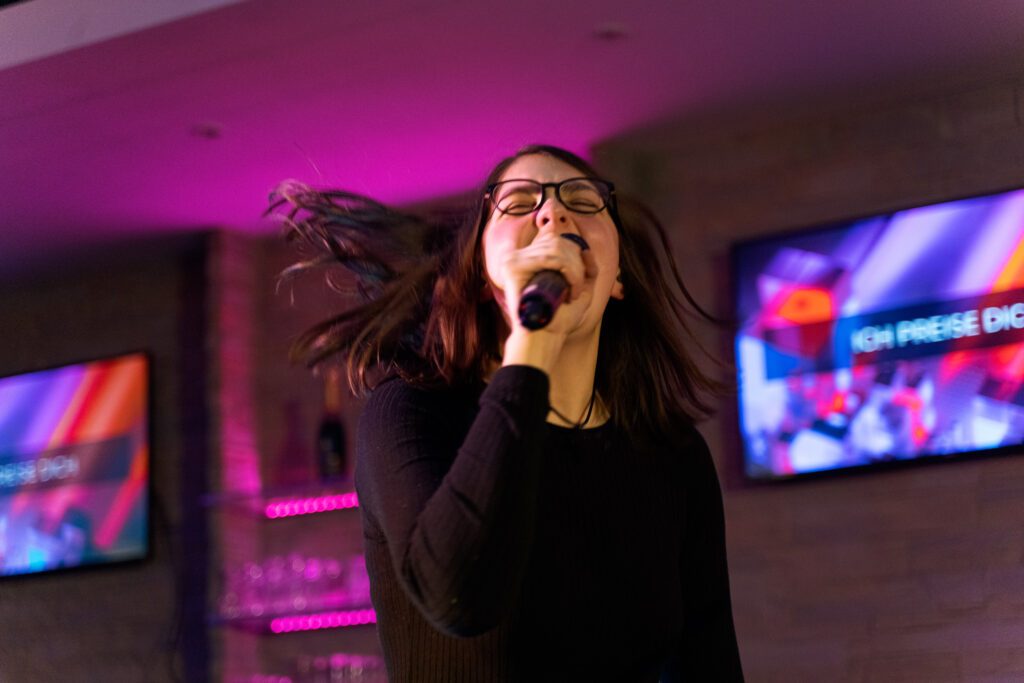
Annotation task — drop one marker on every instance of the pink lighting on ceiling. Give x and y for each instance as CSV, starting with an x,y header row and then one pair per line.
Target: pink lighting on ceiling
x,y
162,117
292,507
316,622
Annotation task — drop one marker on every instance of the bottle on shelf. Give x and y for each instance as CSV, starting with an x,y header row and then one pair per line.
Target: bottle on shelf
x,y
331,445
293,465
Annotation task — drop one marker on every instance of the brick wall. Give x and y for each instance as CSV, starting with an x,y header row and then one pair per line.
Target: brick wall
x,y
915,575
127,622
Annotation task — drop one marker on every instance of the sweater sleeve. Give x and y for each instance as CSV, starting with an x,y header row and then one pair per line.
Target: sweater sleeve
x,y
458,518
707,649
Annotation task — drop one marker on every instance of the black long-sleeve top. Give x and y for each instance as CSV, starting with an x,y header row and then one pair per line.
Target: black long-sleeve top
x,y
503,548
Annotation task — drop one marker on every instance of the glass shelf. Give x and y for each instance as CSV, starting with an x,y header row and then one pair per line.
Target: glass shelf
x,y
276,623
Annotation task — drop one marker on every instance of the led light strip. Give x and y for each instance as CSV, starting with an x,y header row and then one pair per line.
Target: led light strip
x,y
316,622
291,507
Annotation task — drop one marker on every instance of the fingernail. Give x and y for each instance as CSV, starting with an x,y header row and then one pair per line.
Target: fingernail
x,y
573,237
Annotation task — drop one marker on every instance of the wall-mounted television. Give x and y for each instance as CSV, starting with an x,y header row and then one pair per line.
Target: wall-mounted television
x,y
891,338
74,465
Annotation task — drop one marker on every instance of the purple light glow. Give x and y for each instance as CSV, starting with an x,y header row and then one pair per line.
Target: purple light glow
x,y
50,409
316,622
291,507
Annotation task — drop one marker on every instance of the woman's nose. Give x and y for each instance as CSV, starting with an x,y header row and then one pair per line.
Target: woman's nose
x,y
552,212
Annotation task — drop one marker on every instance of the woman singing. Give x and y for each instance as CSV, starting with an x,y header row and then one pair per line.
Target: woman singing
x,y
537,504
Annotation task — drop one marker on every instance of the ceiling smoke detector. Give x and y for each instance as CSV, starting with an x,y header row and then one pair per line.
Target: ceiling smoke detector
x,y
611,31
207,131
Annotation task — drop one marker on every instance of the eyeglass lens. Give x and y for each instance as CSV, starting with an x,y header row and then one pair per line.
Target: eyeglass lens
x,y
583,195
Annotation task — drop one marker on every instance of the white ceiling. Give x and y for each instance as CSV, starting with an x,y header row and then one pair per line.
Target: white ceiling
x,y
122,117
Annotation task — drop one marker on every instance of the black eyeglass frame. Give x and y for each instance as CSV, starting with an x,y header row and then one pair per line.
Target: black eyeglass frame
x,y
609,201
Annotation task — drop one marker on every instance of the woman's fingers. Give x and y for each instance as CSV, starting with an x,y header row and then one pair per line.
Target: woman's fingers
x,y
546,253
549,251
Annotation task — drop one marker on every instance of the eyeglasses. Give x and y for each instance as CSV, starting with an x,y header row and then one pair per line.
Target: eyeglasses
x,y
582,195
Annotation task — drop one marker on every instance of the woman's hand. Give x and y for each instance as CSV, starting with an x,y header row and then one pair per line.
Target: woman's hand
x,y
550,251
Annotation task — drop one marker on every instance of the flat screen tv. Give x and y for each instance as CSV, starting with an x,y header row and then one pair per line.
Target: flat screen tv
x,y
891,338
74,465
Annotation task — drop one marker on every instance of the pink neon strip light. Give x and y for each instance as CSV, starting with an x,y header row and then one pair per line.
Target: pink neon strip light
x,y
316,622
308,506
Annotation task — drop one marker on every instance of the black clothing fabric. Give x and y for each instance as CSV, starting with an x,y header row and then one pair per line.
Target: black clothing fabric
x,y
502,548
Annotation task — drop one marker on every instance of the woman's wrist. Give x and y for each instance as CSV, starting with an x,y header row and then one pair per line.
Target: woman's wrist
x,y
539,348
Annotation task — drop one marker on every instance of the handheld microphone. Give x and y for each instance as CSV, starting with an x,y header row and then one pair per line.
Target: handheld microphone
x,y
545,292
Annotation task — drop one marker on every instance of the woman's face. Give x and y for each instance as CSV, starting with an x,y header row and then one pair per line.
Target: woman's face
x,y
504,233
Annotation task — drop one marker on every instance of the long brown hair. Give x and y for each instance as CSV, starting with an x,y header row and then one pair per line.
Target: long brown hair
x,y
425,311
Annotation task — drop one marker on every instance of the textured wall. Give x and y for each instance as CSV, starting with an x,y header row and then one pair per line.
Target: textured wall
x,y
265,424
915,575
116,623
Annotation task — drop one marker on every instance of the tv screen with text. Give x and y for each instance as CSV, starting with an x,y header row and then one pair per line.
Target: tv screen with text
x,y
74,465
893,337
